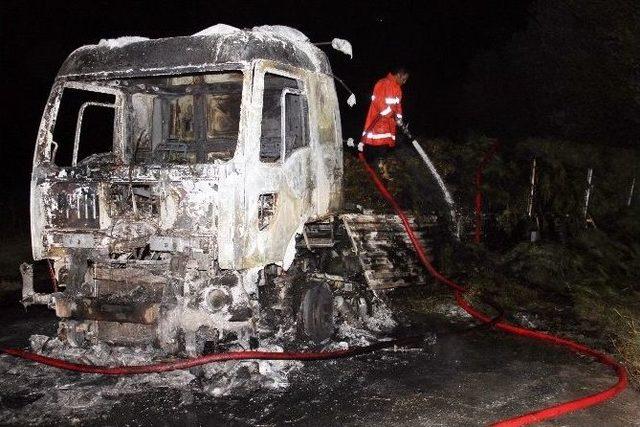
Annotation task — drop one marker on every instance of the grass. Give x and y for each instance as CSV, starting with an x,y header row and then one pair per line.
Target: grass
x,y
615,320
585,285
627,343
571,291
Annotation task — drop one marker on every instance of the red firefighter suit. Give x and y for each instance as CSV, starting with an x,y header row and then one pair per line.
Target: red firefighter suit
x,y
385,108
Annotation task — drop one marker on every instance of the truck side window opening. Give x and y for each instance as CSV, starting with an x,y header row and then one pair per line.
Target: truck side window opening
x,y
296,126
97,133
223,122
181,119
223,115
185,119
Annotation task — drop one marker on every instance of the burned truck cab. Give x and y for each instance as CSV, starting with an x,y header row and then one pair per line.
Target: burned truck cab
x,y
169,173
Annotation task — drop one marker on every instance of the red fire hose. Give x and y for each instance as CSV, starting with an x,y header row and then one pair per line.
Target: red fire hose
x,y
535,416
209,358
478,199
459,290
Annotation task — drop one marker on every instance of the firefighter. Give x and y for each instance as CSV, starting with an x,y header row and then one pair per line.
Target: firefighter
x,y
385,112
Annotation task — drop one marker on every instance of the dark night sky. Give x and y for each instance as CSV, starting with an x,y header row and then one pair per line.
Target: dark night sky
x,y
435,39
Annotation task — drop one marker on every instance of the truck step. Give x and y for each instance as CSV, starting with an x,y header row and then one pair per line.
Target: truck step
x,y
319,235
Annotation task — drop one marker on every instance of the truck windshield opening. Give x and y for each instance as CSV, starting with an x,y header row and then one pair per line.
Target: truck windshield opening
x,y
186,119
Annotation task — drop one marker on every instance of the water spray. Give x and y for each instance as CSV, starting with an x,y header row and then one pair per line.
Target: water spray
x,y
434,172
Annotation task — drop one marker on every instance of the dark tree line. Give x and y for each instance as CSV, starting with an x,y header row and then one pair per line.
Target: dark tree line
x,y
573,73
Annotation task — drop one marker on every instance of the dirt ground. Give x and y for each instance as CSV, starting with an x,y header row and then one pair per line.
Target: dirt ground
x,y
458,377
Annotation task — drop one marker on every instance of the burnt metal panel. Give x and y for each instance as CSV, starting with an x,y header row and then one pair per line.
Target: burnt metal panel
x,y
75,206
386,254
192,54
95,309
131,283
125,333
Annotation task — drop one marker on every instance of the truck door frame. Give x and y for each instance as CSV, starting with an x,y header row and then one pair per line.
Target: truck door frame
x,y
274,243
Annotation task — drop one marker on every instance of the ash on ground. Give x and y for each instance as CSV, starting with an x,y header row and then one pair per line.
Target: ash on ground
x,y
73,397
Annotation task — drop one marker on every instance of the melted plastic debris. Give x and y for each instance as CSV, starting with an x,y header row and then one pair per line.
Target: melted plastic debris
x,y
342,45
121,41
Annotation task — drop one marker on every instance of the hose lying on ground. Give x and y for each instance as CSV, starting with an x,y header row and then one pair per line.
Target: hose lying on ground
x,y
210,358
459,290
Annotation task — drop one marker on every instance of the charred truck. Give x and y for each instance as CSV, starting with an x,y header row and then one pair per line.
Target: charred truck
x,y
173,180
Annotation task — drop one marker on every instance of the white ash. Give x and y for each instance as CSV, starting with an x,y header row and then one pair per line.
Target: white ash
x,y
381,319
351,336
282,31
528,320
63,396
120,41
218,378
373,328
240,377
217,29
60,396
452,311
83,396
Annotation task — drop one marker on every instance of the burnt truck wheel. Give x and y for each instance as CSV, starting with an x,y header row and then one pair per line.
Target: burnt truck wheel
x,y
315,319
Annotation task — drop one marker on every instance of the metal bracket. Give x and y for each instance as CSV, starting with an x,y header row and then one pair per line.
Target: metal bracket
x,y
29,295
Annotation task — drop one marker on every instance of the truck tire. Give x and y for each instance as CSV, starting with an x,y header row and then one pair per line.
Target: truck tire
x,y
316,319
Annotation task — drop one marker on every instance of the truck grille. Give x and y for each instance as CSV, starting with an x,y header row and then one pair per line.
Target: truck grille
x,y
75,207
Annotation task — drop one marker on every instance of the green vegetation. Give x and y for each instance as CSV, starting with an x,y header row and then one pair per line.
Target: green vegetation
x,y
581,279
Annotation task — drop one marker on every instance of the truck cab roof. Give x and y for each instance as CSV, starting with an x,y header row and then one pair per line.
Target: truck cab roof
x,y
200,52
